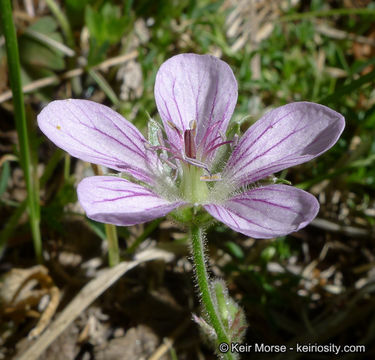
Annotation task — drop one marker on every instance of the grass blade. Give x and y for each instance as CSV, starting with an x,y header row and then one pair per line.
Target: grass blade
x,y
21,125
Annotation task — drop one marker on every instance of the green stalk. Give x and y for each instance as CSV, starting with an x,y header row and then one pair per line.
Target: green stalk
x,y
110,231
146,232
204,287
21,125
113,249
66,166
68,33
104,86
62,20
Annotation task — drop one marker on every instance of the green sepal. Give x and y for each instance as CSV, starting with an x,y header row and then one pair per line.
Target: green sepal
x,y
282,181
153,129
192,215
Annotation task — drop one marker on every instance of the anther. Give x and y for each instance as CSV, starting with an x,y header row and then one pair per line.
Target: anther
x,y
213,177
193,124
147,146
235,141
175,128
222,135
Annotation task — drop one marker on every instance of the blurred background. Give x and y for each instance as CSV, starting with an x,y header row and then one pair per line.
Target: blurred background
x,y
311,287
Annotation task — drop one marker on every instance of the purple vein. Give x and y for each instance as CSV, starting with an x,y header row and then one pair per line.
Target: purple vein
x,y
94,128
130,192
106,161
244,202
250,221
124,134
176,104
271,148
268,170
235,158
106,158
233,219
192,90
208,132
214,100
116,198
117,141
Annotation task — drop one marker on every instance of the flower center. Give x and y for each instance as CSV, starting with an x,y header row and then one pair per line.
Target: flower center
x,y
185,172
192,187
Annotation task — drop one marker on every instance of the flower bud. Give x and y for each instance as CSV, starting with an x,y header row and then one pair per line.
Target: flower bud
x,y
231,314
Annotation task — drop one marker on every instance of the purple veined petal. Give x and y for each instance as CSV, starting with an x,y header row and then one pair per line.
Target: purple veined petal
x,y
117,201
97,134
284,137
196,87
268,211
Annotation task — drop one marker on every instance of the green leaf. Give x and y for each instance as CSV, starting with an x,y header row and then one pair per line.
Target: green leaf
x,y
107,24
45,25
39,56
235,250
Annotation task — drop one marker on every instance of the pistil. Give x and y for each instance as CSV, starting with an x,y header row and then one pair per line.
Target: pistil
x,y
192,187
189,140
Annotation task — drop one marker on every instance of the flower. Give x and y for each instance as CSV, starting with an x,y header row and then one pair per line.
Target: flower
x,y
195,163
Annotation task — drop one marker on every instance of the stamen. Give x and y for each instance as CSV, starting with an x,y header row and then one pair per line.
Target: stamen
x,y
160,137
147,146
150,147
218,145
165,159
172,145
175,128
235,140
175,175
192,124
208,132
212,142
222,135
195,162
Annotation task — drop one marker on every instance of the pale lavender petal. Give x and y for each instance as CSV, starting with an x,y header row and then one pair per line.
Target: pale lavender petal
x,y
284,137
97,134
117,201
196,87
267,211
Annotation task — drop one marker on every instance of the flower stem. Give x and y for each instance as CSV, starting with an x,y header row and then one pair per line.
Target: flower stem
x,y
21,125
204,287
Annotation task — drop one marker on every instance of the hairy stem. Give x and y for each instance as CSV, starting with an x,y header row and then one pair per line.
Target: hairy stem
x,y
21,125
202,278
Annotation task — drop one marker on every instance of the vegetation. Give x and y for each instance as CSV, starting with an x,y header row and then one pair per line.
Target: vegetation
x,y
311,287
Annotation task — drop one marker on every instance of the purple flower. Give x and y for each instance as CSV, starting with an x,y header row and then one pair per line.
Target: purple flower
x,y
194,163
